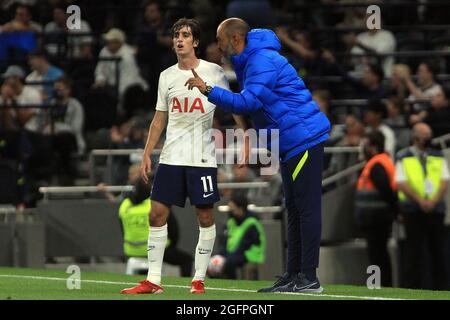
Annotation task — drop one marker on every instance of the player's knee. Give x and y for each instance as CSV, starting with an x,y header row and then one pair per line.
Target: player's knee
x,y
157,218
206,218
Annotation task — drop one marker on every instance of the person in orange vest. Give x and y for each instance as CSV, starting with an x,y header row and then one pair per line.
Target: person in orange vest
x,y
376,203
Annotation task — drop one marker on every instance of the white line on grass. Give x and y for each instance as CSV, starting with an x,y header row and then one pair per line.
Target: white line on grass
x,y
317,295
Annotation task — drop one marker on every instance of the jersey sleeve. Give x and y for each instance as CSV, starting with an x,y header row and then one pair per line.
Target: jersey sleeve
x,y
162,104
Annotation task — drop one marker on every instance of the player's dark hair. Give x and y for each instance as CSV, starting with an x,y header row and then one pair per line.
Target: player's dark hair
x,y
194,25
376,139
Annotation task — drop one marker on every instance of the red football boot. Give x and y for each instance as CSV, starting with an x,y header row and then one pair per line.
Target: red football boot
x,y
198,286
144,286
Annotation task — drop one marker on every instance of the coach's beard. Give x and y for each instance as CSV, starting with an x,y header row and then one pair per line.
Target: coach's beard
x,y
227,54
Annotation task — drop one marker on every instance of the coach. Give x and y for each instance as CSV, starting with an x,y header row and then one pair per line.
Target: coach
x,y
276,98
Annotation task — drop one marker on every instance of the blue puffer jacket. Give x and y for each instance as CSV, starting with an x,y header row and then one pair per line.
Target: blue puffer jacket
x,y
273,95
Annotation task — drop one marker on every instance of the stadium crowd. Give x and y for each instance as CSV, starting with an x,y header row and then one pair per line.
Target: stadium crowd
x,y
65,92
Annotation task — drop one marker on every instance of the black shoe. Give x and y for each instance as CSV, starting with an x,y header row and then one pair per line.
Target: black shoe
x,y
282,280
301,285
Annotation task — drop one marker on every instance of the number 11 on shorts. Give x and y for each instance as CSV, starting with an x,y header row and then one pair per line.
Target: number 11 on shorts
x,y
205,186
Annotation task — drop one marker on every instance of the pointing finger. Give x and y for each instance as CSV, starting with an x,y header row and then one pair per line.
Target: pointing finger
x,y
194,73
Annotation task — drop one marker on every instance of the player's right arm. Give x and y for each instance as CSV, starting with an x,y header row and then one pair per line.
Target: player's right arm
x,y
154,134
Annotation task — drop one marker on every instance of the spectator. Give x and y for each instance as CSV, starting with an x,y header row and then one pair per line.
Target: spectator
x,y
427,88
374,41
354,17
128,71
422,177
373,117
245,237
43,71
305,58
353,134
323,99
15,93
396,120
153,43
438,116
67,130
204,12
58,36
17,37
81,70
68,114
22,21
241,174
369,86
397,85
257,13
128,134
395,113
34,149
376,203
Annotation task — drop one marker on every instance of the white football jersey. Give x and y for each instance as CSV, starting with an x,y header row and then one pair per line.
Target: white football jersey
x,y
189,139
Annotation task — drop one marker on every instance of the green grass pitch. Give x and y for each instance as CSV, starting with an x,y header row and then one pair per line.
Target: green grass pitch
x,y
38,284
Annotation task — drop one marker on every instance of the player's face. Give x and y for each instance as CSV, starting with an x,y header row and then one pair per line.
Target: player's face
x,y
183,42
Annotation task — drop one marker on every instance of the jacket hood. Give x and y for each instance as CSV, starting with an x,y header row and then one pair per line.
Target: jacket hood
x,y
257,39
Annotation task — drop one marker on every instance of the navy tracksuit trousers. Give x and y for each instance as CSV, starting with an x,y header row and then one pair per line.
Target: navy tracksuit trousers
x,y
302,184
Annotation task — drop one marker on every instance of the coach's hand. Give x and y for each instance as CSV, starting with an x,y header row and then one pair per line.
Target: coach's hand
x,y
146,168
196,82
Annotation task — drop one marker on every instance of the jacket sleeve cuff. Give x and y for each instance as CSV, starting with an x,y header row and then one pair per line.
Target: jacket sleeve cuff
x,y
216,97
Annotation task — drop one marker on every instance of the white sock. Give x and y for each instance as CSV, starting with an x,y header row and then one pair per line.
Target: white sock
x,y
156,245
205,245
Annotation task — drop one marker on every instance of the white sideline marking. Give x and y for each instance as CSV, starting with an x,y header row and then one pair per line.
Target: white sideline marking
x,y
318,295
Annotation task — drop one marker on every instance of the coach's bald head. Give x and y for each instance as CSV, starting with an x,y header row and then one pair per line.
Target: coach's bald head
x,y
231,36
234,26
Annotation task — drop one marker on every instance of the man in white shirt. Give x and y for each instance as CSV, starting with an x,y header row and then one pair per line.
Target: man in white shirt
x,y
105,72
14,92
375,41
56,32
187,163
427,88
22,21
